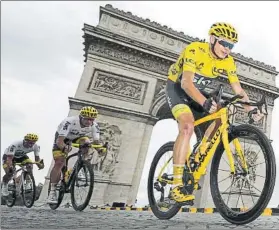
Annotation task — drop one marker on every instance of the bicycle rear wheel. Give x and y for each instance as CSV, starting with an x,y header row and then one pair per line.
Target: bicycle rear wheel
x,y
28,189
79,181
11,199
242,183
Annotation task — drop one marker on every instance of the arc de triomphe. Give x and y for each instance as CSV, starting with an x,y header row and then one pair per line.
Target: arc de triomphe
x,y
126,64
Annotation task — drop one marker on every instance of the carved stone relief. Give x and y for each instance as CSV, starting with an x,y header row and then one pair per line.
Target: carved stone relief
x,y
116,86
111,134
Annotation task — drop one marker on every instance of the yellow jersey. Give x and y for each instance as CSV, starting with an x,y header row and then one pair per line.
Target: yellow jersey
x,y
196,57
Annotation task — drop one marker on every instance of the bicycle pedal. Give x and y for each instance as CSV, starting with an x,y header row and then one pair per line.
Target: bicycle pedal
x,y
197,186
188,203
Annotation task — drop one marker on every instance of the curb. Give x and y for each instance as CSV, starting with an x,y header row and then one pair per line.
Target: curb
x,y
266,212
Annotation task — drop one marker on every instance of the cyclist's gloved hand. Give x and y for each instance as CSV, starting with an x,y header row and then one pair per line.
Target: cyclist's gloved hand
x,y
101,152
67,149
41,165
210,105
255,115
11,170
85,145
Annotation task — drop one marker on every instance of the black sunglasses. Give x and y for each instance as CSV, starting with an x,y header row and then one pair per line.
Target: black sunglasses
x,y
225,43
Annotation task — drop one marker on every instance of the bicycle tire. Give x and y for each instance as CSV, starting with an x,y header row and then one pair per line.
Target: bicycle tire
x,y
13,196
60,195
152,202
252,214
34,190
84,164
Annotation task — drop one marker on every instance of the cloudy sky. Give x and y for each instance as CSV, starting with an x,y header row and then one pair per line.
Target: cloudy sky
x,y
42,60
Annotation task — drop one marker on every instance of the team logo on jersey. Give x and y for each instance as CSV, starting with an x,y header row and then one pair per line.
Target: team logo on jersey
x,y
193,51
189,60
19,152
233,72
66,125
169,101
173,70
12,148
202,49
201,81
200,66
180,63
97,128
74,132
217,71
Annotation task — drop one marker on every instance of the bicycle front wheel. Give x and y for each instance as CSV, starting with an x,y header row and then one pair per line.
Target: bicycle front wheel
x,y
28,189
83,177
245,185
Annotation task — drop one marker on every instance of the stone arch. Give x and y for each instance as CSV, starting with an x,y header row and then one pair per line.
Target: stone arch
x,y
126,63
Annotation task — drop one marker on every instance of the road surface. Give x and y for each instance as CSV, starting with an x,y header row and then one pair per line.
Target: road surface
x,y
67,218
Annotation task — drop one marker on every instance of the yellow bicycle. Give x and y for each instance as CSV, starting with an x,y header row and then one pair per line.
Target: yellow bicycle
x,y
225,138
27,186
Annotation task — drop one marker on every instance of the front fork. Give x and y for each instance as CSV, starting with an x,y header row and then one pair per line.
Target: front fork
x,y
239,152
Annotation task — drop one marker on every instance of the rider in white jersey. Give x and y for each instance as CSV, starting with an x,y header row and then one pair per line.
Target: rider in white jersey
x,y
75,129
71,129
17,153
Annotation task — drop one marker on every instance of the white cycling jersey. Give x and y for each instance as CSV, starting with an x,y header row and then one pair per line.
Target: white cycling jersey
x,y
17,149
70,129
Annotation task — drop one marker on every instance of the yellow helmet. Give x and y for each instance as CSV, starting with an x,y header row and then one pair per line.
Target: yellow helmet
x,y
225,30
88,112
31,137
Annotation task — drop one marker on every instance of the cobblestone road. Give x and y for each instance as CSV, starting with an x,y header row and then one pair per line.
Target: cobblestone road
x,y
44,218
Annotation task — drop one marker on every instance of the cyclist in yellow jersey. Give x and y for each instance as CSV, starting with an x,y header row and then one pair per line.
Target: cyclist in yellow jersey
x,y
187,86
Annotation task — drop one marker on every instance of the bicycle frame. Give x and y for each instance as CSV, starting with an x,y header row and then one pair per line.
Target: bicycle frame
x,y
23,169
70,178
221,134
79,154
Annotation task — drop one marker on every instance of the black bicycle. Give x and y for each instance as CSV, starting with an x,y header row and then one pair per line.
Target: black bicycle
x,y
27,186
70,180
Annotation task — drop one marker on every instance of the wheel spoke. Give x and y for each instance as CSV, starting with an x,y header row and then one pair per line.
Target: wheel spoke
x,y
252,166
259,176
224,170
224,179
239,194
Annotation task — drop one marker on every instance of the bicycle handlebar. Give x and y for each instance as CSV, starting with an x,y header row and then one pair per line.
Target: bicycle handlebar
x,y
218,93
85,145
30,162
